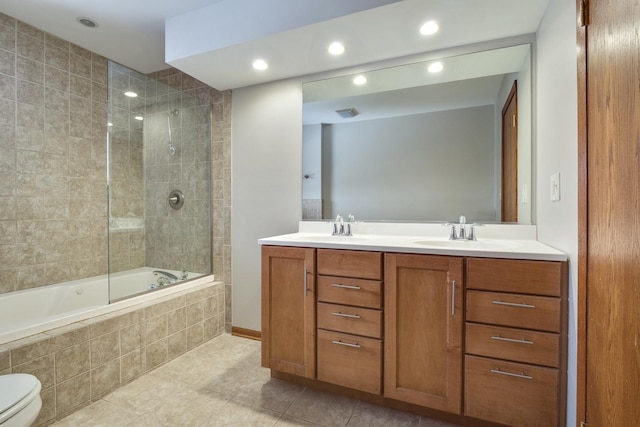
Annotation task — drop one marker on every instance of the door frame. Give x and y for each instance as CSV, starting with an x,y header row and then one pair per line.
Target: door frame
x,y
581,43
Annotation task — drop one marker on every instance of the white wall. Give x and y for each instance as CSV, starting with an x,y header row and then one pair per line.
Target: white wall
x,y
266,183
556,151
422,167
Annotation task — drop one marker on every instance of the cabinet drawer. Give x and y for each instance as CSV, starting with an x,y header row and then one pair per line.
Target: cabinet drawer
x,y
520,345
511,393
342,290
503,275
359,264
350,361
520,311
351,320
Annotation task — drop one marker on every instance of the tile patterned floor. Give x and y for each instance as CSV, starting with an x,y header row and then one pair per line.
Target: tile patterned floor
x,y
221,383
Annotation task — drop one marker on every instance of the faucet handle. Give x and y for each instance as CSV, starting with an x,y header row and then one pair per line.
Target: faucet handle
x,y
351,218
453,235
338,218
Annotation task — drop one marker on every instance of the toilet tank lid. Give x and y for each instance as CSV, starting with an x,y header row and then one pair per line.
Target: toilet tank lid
x,y
14,388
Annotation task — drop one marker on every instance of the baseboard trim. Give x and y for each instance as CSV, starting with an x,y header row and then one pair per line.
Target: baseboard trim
x,y
246,333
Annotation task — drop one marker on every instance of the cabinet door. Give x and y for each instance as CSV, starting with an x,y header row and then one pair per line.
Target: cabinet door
x,y
288,310
423,330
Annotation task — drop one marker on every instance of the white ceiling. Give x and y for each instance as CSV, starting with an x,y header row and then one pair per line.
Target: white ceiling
x,y
133,32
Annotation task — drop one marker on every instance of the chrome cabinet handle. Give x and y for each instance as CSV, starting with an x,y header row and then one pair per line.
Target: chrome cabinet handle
x,y
511,374
351,316
453,297
338,285
306,287
520,341
347,344
514,304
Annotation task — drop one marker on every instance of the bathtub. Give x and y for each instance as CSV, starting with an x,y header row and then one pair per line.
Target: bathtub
x,y
36,310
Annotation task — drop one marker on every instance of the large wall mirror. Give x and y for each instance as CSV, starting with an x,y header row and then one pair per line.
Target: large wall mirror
x,y
426,141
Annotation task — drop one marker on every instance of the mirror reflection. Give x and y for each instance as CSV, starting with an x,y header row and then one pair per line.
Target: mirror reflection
x,y
425,141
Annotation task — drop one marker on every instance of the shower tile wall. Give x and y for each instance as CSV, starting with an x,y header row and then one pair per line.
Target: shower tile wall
x,y
177,160
200,94
126,184
53,104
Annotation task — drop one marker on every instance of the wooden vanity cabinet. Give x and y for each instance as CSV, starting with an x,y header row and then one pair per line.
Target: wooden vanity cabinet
x,y
289,310
515,362
423,317
349,313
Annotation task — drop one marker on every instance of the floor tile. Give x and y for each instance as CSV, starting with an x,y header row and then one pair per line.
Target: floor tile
x,y
369,415
322,408
221,383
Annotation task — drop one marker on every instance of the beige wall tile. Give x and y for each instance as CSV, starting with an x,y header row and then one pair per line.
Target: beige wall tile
x,y
195,313
132,365
156,328
105,378
105,348
48,409
177,344
156,353
176,320
131,338
195,335
72,394
72,361
42,368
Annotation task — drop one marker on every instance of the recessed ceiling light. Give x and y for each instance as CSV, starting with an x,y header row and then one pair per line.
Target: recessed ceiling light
x,y
336,48
429,27
131,94
87,22
359,80
139,118
435,67
260,64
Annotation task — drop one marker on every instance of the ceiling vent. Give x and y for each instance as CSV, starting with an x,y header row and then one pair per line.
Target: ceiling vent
x,y
347,113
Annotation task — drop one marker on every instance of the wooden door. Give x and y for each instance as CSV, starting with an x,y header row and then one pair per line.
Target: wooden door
x,y
423,330
510,157
611,353
288,310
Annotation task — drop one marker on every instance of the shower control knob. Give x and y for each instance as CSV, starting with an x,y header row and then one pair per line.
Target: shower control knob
x,y
176,199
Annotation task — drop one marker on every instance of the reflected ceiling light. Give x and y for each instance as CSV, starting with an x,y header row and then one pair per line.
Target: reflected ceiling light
x,y
131,94
435,67
260,64
336,48
139,118
359,80
87,22
429,27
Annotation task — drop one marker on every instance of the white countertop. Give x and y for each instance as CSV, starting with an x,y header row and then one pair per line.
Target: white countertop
x,y
493,241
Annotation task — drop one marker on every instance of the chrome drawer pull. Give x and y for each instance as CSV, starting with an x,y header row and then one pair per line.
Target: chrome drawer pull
x,y
514,304
520,341
351,316
347,344
338,285
511,374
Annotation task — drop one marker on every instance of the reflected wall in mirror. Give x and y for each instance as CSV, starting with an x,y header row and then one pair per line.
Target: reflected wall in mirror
x,y
421,146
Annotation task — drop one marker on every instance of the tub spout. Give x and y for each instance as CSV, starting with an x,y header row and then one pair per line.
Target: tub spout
x,y
171,277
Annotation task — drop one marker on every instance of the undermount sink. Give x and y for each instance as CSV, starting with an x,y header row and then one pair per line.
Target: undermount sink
x,y
470,244
329,238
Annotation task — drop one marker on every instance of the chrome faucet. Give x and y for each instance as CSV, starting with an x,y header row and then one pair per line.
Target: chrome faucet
x,y
342,229
462,233
171,278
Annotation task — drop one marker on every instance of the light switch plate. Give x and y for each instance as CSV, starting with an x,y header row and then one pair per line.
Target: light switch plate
x,y
555,187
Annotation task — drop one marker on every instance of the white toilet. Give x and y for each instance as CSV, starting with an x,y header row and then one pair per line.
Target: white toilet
x,y
20,400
